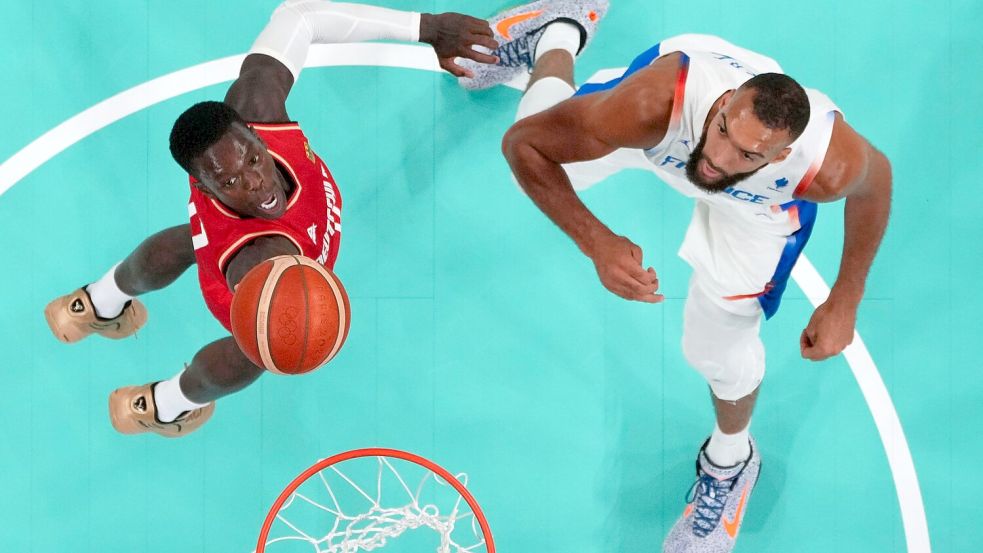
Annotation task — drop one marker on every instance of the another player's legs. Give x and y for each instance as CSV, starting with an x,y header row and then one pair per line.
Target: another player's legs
x,y
109,306
182,404
726,349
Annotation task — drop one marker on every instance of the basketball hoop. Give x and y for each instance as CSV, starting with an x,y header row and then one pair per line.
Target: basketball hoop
x,y
366,499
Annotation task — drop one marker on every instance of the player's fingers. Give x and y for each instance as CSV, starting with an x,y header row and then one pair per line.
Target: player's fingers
x,y
480,27
654,276
650,298
487,41
644,289
479,57
447,64
635,270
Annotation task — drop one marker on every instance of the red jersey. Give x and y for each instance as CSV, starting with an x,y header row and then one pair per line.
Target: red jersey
x,y
312,220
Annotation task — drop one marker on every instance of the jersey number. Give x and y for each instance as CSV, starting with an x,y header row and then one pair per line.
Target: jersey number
x,y
199,240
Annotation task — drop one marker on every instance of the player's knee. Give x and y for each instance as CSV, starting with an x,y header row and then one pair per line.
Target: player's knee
x,y
732,370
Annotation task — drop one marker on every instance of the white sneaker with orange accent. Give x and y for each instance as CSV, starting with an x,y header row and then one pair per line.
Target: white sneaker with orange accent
x,y
518,31
715,506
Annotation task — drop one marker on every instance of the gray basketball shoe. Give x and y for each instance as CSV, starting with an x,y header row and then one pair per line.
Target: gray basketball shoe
x,y
716,505
518,31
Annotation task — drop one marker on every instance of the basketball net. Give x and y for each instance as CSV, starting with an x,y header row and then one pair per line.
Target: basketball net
x,y
363,510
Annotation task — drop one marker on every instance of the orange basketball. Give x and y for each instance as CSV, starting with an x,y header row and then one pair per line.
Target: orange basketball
x,y
290,314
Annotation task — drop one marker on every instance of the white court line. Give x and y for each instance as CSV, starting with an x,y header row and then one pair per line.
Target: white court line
x,y
199,76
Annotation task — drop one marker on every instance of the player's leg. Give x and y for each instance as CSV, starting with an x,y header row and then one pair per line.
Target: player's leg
x,y
156,262
183,403
725,348
108,306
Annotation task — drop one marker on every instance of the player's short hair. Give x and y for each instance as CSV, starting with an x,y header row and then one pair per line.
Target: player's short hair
x,y
198,128
779,102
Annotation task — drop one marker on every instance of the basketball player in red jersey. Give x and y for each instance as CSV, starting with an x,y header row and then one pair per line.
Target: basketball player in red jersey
x,y
258,190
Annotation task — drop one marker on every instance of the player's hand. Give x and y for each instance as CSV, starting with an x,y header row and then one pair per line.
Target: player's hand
x,y
619,265
830,330
452,35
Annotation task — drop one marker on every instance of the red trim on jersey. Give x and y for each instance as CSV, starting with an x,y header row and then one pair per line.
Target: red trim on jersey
x,y
810,175
680,94
793,217
767,289
293,175
291,126
817,163
311,221
223,209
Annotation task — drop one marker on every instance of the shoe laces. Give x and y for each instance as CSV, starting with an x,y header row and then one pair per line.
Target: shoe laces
x,y
515,53
709,497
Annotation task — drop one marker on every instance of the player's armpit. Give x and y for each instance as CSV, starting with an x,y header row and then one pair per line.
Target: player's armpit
x,y
254,253
259,95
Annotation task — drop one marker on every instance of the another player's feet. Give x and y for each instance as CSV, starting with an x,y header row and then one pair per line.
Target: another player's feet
x,y
518,31
132,411
715,506
72,317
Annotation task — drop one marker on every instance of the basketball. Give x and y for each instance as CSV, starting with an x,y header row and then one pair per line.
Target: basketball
x,y
290,314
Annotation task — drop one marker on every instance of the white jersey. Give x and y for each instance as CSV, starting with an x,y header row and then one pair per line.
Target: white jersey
x,y
714,67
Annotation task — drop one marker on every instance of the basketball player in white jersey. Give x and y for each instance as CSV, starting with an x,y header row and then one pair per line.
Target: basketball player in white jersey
x,y
755,150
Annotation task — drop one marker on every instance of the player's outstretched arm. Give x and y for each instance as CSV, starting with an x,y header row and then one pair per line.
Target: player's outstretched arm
x,y
855,170
635,114
277,57
254,253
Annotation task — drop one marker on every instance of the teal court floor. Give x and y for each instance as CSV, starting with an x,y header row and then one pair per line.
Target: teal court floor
x,y
481,338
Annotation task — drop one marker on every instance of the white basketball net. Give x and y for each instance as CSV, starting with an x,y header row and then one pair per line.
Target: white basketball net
x,y
366,517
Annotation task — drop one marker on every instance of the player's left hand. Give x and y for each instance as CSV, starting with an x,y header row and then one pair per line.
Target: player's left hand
x,y
452,35
830,330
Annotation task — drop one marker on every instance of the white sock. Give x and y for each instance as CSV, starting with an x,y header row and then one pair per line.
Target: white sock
x,y
542,95
727,450
171,401
561,35
106,296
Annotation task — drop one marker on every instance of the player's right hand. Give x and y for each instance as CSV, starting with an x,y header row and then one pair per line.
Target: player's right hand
x,y
619,265
454,35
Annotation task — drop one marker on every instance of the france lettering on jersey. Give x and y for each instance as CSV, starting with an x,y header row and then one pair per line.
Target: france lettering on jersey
x,y
742,242
712,67
312,220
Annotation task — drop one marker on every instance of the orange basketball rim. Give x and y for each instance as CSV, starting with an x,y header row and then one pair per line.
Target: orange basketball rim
x,y
411,515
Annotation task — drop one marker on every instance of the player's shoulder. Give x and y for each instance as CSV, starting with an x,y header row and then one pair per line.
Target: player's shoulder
x,y
648,95
284,138
845,165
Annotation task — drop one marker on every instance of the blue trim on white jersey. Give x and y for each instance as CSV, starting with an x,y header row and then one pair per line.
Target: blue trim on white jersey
x,y
794,244
643,60
771,299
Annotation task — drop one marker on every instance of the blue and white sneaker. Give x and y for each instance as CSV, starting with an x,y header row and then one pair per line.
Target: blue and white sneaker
x,y
518,31
715,507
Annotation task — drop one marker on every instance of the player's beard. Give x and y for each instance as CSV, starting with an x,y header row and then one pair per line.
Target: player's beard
x,y
719,185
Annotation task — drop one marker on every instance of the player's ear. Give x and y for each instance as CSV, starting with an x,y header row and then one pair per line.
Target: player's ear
x,y
782,155
725,98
